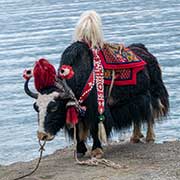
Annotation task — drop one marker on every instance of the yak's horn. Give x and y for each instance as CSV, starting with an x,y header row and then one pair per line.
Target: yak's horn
x,y
27,90
66,91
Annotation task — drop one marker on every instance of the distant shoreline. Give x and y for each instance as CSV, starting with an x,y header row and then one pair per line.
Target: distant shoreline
x,y
144,161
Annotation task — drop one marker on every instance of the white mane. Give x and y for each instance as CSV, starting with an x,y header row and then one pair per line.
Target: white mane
x,y
89,29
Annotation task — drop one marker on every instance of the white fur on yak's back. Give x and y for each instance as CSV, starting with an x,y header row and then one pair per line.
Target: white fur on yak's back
x,y
89,29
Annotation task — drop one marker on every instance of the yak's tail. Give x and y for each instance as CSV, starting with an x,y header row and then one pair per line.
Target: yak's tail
x,y
159,93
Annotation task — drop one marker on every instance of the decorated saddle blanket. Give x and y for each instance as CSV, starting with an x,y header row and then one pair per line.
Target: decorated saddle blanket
x,y
123,61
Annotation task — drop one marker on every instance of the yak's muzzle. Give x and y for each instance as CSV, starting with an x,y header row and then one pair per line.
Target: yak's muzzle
x,y
44,136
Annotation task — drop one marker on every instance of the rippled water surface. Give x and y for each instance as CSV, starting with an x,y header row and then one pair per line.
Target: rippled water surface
x,y
43,28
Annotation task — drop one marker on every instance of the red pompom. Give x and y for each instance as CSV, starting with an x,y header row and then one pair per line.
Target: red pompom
x,y
44,74
66,72
27,74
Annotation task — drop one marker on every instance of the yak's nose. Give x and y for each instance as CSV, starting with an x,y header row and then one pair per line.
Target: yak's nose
x,y
44,136
41,135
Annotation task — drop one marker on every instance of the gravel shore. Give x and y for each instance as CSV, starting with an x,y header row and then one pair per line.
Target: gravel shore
x,y
138,161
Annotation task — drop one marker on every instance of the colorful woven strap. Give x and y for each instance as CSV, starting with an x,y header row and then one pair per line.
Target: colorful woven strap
x,y
96,76
99,77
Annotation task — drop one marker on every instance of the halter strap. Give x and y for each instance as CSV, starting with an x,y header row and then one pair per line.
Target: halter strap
x,y
88,87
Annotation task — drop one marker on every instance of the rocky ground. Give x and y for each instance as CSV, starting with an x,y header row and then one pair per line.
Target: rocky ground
x,y
138,162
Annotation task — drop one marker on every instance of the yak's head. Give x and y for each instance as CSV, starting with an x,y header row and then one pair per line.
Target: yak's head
x,y
51,99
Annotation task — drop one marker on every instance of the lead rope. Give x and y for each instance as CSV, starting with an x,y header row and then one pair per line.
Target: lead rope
x,y
41,149
94,161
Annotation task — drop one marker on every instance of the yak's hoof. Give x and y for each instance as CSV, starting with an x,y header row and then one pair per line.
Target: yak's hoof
x,y
81,149
135,140
97,153
150,140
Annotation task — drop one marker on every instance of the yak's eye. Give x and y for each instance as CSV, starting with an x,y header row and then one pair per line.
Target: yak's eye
x,y
52,106
35,106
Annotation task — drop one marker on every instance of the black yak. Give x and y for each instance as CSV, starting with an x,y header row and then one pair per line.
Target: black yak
x,y
124,105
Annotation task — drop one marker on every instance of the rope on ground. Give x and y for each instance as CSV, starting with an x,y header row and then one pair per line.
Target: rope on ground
x,y
95,161
41,149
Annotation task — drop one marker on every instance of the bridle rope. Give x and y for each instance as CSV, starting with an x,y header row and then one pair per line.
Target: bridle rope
x,y
41,149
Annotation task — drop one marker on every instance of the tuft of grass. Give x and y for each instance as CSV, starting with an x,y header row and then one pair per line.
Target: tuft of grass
x,y
46,176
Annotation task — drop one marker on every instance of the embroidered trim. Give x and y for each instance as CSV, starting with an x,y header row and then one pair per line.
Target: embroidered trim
x,y
96,76
99,76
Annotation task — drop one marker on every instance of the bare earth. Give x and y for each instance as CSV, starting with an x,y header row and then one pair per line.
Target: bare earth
x,y
143,161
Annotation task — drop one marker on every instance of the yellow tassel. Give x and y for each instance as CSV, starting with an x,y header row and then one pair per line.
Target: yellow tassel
x,y
102,133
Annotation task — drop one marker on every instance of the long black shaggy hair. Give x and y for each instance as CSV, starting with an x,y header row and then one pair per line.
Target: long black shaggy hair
x,y
139,103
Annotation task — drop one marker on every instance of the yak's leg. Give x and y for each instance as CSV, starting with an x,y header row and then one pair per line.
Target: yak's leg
x,y
150,137
81,135
97,151
81,148
137,135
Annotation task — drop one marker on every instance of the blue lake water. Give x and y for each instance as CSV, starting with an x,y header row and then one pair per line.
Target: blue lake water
x,y
43,28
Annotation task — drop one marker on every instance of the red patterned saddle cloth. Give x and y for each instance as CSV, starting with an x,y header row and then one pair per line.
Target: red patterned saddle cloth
x,y
125,63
